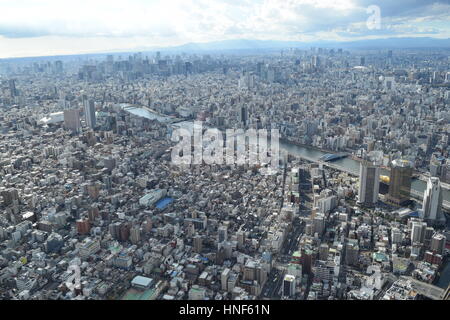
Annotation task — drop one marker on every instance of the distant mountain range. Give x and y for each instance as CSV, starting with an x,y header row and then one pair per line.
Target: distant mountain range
x,y
255,46
244,44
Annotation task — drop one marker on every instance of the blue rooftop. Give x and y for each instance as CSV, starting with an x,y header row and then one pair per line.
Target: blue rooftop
x,y
163,203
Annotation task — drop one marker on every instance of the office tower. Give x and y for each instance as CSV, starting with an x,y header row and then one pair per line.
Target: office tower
x,y
418,232
319,224
400,181
259,68
93,213
432,201
240,238
261,274
54,243
307,261
362,61
250,270
389,83
135,234
83,226
72,120
222,234
124,232
224,278
369,183
437,166
89,112
438,243
429,232
12,87
323,252
315,61
243,115
58,66
396,236
114,230
288,285
198,244
10,196
351,254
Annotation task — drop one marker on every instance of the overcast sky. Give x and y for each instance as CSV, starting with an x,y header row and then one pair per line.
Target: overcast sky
x,y
52,27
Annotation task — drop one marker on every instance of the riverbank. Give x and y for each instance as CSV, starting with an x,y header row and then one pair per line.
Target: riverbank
x,y
286,140
307,152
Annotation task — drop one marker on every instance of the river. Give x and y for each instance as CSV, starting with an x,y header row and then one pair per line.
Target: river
x,y
309,153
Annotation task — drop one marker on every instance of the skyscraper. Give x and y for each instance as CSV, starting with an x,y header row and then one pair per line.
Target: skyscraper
x,y
198,244
243,115
222,231
72,120
369,183
89,112
135,234
12,87
400,181
432,200
438,243
288,285
418,232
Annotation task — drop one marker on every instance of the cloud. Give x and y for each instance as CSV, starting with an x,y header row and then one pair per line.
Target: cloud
x,y
157,22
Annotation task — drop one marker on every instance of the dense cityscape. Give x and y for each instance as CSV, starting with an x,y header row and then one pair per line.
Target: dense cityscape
x,y
93,207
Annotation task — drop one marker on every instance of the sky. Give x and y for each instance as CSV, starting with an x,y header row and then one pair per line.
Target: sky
x,y
57,27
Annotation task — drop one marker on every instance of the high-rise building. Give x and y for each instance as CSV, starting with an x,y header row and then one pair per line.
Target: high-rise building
x,y
396,236
418,232
9,196
400,181
124,233
224,278
369,183
307,261
288,285
362,61
83,226
323,252
319,224
198,243
438,243
432,201
12,87
222,234
89,112
72,120
240,238
135,234
243,115
351,253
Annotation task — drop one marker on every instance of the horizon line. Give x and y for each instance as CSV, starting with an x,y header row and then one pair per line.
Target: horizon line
x,y
177,47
